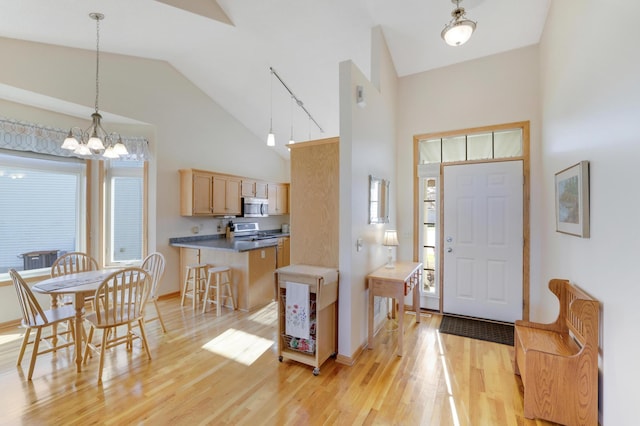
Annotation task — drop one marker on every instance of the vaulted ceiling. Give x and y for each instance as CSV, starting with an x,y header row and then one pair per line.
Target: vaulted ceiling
x,y
226,47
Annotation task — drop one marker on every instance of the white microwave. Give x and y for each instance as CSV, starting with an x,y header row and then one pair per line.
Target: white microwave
x,y
255,207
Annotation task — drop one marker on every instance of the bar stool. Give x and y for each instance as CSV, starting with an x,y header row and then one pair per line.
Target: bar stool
x,y
220,281
196,278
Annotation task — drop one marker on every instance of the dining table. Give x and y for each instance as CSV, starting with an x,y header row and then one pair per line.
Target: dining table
x,y
80,285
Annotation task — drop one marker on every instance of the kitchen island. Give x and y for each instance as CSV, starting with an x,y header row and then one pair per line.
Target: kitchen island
x,y
253,264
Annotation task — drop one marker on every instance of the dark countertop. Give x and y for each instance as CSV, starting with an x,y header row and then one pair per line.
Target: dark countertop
x,y
219,242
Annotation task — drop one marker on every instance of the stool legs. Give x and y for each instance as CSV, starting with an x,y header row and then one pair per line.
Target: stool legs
x,y
196,277
222,276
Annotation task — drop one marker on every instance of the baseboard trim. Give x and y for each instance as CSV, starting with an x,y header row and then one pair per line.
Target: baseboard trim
x,y
351,360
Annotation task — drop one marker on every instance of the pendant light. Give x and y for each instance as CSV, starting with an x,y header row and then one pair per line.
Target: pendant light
x,y
294,99
291,140
271,138
93,139
458,31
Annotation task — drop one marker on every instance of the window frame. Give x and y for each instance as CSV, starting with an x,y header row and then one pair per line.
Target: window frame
x,y
49,163
105,207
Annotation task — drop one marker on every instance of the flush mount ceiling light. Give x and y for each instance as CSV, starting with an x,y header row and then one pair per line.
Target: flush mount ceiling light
x,y
93,139
458,31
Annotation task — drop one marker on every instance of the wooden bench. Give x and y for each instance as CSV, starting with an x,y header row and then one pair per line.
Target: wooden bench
x,y
558,362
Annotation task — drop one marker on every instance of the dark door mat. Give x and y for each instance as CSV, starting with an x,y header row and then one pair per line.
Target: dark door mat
x,y
478,329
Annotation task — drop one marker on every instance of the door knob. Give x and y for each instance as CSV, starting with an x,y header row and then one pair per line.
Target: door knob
x,y
449,239
449,250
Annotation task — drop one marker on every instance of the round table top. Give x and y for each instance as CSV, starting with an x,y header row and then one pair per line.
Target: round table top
x,y
80,282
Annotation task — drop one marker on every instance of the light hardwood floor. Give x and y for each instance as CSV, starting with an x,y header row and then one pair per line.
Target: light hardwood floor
x,y
223,371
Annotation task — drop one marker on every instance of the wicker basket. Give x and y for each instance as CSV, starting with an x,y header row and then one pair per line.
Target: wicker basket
x,y
299,345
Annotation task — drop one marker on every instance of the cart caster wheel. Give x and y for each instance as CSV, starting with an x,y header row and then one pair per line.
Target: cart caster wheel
x,y
316,371
280,358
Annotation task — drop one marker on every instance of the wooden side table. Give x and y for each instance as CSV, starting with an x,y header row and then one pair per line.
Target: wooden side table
x,y
396,283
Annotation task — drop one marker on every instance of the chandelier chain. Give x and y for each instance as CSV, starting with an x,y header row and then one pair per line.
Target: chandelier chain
x,y
98,18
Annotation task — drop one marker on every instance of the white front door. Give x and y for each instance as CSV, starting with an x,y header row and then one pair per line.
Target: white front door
x,y
483,240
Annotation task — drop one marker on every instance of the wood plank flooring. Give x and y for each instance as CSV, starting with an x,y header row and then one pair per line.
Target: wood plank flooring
x,y
225,371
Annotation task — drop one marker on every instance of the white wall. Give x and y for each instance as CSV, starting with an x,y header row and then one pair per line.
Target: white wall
x,y
191,130
366,148
591,109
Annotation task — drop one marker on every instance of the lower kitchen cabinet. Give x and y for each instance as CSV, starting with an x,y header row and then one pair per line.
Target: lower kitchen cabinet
x,y
284,252
319,288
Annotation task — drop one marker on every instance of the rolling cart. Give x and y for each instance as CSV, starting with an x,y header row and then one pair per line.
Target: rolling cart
x,y
322,286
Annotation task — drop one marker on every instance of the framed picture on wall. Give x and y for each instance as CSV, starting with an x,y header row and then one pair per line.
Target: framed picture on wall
x,y
572,200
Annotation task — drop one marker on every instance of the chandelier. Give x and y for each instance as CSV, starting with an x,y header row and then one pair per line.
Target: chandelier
x,y
458,31
95,139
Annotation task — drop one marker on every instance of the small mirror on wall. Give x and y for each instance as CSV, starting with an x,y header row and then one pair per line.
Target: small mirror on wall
x,y
378,200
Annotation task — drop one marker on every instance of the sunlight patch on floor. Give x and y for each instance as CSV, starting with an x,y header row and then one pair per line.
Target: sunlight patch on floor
x,y
239,346
266,315
7,338
447,379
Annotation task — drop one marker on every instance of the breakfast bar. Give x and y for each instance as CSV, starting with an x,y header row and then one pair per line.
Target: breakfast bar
x,y
252,261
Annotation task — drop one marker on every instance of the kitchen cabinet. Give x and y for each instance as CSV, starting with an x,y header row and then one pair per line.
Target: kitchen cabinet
x,y
205,193
283,252
226,195
252,188
321,311
196,192
278,195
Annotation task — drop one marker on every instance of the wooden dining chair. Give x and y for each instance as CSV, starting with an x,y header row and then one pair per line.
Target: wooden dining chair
x,y
154,265
34,317
71,263
123,296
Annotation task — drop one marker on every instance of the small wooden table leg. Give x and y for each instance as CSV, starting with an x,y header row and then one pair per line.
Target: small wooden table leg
x,y
79,305
416,293
370,339
54,328
400,298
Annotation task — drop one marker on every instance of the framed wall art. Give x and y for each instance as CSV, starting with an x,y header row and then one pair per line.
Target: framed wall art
x,y
572,200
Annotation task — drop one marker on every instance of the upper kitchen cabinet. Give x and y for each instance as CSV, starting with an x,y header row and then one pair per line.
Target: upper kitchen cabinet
x,y
278,195
226,195
196,193
252,188
204,193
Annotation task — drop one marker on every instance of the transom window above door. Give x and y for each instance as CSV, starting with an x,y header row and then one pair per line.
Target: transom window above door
x,y
473,146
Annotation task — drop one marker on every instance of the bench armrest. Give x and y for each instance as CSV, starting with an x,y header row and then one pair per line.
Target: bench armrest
x,y
541,326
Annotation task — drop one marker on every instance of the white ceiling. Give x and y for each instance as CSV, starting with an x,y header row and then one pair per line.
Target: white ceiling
x,y
226,47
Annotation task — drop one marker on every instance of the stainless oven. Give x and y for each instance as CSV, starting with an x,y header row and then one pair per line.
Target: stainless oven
x,y
255,207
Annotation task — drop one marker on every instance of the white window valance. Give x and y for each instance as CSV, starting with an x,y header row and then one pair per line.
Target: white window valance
x,y
22,136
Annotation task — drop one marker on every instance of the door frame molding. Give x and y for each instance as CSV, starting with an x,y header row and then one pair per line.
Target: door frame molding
x,y
526,195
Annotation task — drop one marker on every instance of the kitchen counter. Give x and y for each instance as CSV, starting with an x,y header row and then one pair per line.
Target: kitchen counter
x,y
219,242
252,263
